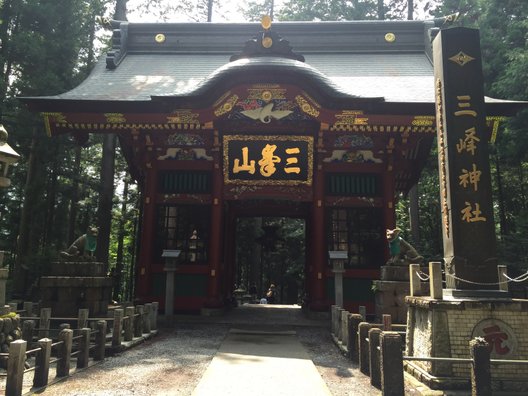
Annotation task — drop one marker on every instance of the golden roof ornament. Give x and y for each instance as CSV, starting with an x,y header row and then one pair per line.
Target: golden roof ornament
x,y
266,22
267,43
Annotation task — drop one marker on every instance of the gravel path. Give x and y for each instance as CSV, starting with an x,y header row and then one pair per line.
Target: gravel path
x,y
173,362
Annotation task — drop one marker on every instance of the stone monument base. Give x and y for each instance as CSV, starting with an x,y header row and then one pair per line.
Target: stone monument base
x,y
443,328
76,285
391,290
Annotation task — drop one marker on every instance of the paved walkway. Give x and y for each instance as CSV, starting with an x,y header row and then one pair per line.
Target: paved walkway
x,y
261,363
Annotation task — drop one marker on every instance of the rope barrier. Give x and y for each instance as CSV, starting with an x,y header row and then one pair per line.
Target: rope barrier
x,y
520,278
422,276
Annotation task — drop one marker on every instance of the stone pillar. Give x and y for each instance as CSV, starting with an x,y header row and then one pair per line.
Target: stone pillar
x,y
503,272
353,326
435,280
363,330
4,274
416,284
480,367
391,362
170,269
338,270
374,360
468,226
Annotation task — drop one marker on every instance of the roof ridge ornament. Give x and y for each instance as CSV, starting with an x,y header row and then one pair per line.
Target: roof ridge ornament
x,y
119,43
267,43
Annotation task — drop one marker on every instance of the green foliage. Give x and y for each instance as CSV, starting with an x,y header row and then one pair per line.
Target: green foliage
x,y
328,10
280,261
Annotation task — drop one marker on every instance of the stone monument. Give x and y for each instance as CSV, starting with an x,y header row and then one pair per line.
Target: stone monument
x,y
392,288
475,302
77,281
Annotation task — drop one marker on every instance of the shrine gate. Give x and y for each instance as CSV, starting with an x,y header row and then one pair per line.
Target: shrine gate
x,y
326,122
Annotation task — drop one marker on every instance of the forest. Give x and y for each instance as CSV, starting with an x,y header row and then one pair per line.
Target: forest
x,y
59,188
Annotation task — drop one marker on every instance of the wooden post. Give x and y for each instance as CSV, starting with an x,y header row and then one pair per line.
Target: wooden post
x,y
387,322
480,367
118,327
44,322
339,329
84,348
15,367
154,316
344,327
374,357
435,280
28,308
146,318
503,271
362,310
353,327
391,363
42,363
64,352
332,319
100,340
27,330
138,321
129,323
82,318
416,285
363,348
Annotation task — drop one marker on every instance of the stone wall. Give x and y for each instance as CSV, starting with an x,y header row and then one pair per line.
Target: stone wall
x,y
443,328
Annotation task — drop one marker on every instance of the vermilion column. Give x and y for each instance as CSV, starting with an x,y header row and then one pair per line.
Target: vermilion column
x,y
147,229
214,298
389,212
318,298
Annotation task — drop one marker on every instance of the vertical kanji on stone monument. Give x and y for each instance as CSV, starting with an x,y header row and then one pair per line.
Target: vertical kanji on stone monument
x,y
465,180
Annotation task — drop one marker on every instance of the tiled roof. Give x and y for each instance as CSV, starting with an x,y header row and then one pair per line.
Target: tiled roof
x,y
353,59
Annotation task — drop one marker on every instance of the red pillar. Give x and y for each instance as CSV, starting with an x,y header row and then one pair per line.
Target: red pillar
x,y
147,230
389,210
214,297
318,301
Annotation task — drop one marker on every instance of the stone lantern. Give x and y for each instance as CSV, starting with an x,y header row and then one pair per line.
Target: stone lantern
x,y
171,259
338,259
8,156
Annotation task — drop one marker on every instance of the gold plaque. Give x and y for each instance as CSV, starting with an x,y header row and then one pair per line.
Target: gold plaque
x,y
390,37
267,42
266,22
160,38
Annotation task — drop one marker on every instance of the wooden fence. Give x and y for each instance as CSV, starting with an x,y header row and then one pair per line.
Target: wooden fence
x,y
90,338
378,348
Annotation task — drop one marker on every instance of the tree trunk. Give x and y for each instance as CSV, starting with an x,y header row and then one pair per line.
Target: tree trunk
x,y
414,218
104,211
410,9
20,269
500,196
72,218
106,194
51,192
381,10
209,10
120,245
120,13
